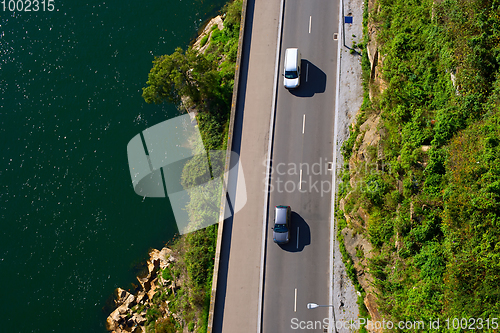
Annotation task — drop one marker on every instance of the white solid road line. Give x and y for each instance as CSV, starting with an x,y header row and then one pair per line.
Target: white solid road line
x,y
303,124
300,180
295,303
310,19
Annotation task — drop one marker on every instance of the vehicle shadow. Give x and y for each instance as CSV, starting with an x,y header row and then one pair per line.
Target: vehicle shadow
x,y
312,80
300,234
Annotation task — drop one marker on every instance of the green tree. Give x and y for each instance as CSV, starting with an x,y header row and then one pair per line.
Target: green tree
x,y
169,79
204,72
179,74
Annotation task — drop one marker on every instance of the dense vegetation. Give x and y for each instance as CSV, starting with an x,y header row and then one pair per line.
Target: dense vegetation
x,y
432,186
193,272
203,81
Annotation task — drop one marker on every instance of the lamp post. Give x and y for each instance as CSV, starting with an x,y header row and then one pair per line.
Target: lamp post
x,y
311,306
314,306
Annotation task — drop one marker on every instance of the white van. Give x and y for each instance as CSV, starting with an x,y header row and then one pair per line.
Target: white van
x,y
292,68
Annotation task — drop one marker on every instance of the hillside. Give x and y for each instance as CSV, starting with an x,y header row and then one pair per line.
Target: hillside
x,y
420,198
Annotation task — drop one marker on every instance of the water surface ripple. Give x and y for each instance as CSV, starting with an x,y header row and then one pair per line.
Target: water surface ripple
x,y
70,100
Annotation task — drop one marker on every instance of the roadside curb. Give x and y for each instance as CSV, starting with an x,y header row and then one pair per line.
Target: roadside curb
x,y
226,169
333,220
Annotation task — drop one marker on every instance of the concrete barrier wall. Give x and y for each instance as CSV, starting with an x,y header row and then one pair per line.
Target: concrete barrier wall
x,y
226,169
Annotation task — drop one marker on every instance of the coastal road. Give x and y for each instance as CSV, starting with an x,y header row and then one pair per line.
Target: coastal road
x,y
292,276
298,273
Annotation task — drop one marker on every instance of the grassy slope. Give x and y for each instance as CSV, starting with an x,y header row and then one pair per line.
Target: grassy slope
x,y
447,217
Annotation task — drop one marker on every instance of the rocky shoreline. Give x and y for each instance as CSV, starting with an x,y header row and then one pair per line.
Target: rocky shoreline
x,y
130,312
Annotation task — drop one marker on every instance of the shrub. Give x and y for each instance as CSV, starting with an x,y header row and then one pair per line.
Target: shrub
x,y
233,14
374,188
167,274
204,40
165,325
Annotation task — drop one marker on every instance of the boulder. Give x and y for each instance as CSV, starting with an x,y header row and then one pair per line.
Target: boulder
x,y
152,291
111,323
141,297
122,309
138,319
157,260
371,305
160,257
121,294
363,214
130,301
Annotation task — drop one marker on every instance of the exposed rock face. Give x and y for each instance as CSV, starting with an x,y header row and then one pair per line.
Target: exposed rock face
x,y
367,152
371,304
376,59
208,31
356,244
369,137
125,317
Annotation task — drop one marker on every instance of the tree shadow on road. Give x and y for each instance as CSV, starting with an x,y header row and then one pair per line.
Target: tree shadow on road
x,y
312,80
221,291
300,235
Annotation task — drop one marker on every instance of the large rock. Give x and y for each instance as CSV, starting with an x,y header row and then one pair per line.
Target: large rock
x,y
363,214
141,297
372,135
138,319
371,304
162,257
116,319
157,260
376,59
112,321
352,242
152,291
121,296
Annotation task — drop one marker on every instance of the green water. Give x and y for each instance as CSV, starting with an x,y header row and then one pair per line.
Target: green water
x,y
70,100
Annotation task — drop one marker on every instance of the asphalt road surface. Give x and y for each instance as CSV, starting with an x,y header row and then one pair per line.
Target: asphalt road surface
x,y
298,273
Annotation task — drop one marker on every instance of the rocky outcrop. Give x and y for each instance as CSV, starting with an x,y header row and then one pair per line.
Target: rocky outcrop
x,y
368,138
207,31
130,313
360,250
378,85
371,304
366,156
